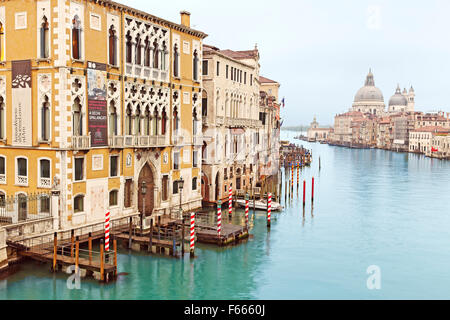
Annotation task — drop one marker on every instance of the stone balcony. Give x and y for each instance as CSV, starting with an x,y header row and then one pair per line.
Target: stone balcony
x,y
140,141
81,142
197,140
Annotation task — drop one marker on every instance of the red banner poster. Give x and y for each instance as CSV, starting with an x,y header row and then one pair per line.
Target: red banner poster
x,y
97,109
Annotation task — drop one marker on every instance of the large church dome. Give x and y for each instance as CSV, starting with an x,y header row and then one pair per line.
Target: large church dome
x,y
369,92
398,99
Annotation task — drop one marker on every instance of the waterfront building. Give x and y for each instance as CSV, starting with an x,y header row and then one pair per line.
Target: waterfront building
x,y
95,99
438,119
232,122
269,148
402,102
384,133
316,133
440,146
343,127
420,140
369,99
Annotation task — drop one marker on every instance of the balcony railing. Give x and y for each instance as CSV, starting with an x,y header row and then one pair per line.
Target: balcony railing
x,y
177,139
45,183
22,180
81,142
137,141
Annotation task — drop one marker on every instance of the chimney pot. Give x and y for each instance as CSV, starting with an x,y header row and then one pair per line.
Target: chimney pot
x,y
185,18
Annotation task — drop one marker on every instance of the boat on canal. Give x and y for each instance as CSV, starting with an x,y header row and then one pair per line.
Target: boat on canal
x,y
260,204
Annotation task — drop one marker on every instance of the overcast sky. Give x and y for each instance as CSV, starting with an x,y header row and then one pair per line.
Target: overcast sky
x,y
321,51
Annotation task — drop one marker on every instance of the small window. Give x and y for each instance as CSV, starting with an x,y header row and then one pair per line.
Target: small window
x,y
205,68
218,68
194,183
194,159
176,160
44,204
78,203
2,165
79,169
22,167
45,168
175,187
113,198
226,71
113,163
165,188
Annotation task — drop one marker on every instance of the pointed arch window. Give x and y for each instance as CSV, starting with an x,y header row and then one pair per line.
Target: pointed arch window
x,y
147,53
76,38
155,55
77,118
163,122
163,56
175,122
147,121
45,120
45,41
138,53
112,40
113,119
176,55
194,123
2,41
137,121
195,66
2,119
128,48
155,123
128,121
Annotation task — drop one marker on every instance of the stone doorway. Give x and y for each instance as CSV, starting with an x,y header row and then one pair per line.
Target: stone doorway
x,y
147,176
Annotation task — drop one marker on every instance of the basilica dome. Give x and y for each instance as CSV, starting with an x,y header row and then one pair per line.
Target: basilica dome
x,y
398,99
369,92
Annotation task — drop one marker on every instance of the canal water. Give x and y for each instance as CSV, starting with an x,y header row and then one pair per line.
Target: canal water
x,y
372,208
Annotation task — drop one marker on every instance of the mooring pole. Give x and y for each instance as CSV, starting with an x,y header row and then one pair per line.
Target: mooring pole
x,y
269,209
55,250
102,258
77,254
115,255
90,247
130,231
304,192
182,238
192,242
72,240
150,245
312,190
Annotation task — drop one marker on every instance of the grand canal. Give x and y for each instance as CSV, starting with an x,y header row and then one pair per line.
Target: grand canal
x,y
372,207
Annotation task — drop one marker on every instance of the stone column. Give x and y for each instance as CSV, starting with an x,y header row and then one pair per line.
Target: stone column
x,y
55,209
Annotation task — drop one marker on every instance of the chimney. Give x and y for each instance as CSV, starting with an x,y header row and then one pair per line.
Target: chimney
x,y
185,18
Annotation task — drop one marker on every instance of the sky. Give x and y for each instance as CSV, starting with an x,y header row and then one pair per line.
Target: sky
x,y
320,51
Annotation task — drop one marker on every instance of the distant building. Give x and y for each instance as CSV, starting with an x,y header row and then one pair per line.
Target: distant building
x,y
401,102
420,140
315,133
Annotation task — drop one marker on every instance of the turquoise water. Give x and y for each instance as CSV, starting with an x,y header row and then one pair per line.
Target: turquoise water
x,y
372,207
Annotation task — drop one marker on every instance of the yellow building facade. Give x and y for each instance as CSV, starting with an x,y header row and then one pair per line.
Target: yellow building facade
x,y
95,99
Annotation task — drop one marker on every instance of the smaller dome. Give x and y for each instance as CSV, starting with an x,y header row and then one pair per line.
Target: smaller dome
x,y
398,99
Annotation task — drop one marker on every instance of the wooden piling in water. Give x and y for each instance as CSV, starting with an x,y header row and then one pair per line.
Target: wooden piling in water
x,y
90,247
150,244
115,255
55,250
182,238
130,231
77,254
312,190
102,265
72,240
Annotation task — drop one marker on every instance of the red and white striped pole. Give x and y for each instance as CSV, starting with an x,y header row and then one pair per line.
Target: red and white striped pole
x,y
219,217
107,231
246,210
192,247
269,208
230,201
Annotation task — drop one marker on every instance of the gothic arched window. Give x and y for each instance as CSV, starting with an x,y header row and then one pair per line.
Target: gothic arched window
x,y
44,38
77,118
45,120
155,55
76,38
112,40
175,61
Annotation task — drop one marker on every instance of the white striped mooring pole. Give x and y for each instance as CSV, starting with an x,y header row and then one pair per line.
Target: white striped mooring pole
x,y
192,247
246,210
107,231
269,208
219,217
230,201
